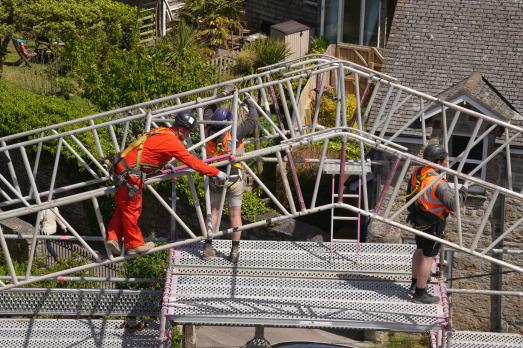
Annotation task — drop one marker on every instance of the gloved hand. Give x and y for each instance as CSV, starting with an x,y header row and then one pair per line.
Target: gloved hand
x,y
228,90
220,179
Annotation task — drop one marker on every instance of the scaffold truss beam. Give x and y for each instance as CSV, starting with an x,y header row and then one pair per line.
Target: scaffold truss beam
x,y
282,94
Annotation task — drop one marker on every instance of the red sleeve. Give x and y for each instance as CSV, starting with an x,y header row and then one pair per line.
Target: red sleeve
x,y
180,153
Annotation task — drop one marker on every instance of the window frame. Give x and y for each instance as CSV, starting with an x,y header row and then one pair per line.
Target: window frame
x,y
484,153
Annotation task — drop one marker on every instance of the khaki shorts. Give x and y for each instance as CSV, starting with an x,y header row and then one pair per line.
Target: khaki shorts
x,y
234,194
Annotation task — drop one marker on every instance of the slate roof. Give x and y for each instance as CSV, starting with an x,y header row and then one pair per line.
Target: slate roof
x,y
435,45
480,90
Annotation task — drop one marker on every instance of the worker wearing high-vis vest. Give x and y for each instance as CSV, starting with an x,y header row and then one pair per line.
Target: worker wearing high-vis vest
x,y
146,155
428,214
218,146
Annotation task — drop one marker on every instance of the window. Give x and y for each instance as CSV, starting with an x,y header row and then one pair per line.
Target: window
x,y
356,21
458,144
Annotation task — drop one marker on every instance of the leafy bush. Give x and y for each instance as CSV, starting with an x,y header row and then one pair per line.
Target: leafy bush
x,y
319,45
147,266
36,110
252,206
245,61
327,118
39,268
111,22
125,77
327,115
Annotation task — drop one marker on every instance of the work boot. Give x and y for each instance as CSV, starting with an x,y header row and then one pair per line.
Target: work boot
x,y
113,247
423,297
208,251
141,248
412,289
235,254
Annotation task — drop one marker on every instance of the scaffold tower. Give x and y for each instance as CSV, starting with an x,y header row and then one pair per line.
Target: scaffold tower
x,y
300,284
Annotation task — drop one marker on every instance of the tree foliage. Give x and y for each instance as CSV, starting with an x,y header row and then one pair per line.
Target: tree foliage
x,y
125,77
70,20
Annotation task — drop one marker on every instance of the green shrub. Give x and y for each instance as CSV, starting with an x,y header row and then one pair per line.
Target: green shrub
x,y
36,110
126,77
245,61
39,268
176,338
147,266
319,45
252,206
327,115
111,22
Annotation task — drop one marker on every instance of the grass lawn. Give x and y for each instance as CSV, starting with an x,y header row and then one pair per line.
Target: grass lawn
x,y
33,78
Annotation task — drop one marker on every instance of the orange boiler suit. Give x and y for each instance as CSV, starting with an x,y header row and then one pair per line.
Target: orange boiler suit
x,y
157,151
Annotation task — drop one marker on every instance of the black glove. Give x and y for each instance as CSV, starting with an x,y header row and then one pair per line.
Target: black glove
x,y
227,90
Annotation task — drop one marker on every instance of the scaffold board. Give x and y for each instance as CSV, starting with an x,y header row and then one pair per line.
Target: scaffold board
x,y
300,284
476,339
78,333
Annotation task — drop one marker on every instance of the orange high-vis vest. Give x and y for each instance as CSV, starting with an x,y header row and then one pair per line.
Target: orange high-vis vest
x,y
213,149
428,201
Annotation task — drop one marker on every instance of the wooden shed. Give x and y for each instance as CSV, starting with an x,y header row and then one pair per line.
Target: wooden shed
x,y
295,35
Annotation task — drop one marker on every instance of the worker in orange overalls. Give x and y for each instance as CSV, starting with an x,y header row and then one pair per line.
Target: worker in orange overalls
x,y
148,154
428,214
218,146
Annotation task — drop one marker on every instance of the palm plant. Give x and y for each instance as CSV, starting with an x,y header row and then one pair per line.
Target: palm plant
x,y
269,51
184,38
260,53
214,20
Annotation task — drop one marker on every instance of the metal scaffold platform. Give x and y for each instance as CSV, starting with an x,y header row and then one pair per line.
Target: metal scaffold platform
x,y
467,339
300,284
85,333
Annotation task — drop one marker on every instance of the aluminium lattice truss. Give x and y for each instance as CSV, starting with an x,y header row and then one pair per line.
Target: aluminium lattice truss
x,y
281,93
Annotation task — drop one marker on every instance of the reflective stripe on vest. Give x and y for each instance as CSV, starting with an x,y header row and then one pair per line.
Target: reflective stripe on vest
x,y
429,201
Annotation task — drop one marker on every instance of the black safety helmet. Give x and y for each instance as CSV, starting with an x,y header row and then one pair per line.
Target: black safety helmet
x,y
434,153
185,119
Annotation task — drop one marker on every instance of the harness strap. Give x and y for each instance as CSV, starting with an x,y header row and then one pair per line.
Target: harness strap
x,y
139,143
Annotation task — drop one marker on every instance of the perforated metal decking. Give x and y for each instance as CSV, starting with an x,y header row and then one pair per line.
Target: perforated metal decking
x,y
62,333
300,284
467,339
